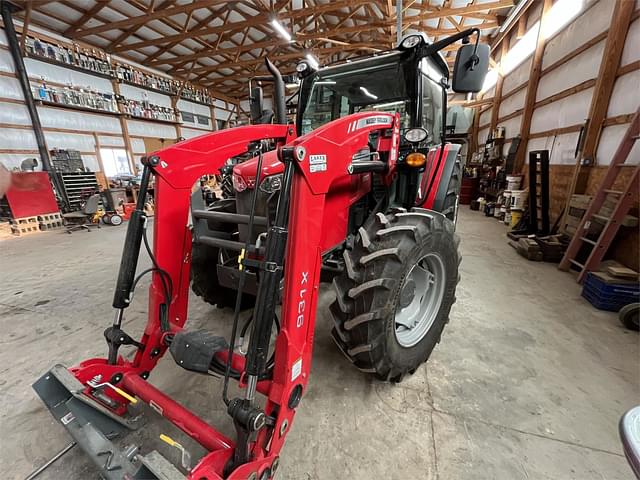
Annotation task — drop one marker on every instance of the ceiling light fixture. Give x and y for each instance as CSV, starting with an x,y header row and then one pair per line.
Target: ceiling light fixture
x,y
313,61
512,15
281,30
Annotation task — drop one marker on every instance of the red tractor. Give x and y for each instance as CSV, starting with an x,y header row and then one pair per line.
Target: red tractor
x,y
364,192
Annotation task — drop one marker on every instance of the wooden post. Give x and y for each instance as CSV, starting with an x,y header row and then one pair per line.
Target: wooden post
x,y
532,90
96,138
214,122
174,105
605,81
125,131
497,94
473,145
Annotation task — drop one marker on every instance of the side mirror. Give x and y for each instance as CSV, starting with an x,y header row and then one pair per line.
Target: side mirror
x,y
470,69
256,101
630,435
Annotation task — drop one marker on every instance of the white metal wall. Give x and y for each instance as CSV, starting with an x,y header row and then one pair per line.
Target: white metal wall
x,y
572,110
66,128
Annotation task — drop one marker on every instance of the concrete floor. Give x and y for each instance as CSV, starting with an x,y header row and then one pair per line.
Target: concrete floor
x,y
528,382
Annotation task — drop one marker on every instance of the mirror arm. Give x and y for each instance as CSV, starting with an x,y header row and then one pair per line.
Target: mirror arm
x,y
428,50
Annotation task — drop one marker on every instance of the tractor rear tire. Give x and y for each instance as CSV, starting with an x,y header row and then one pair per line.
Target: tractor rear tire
x,y
451,201
378,287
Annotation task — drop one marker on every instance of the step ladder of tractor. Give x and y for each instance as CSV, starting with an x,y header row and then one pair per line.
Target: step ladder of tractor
x,y
608,206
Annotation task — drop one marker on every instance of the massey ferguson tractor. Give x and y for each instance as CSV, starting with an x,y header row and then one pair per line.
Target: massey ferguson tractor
x,y
362,189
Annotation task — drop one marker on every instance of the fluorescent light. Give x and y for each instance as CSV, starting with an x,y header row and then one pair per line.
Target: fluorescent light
x,y
313,62
325,82
368,93
281,30
512,15
559,15
391,104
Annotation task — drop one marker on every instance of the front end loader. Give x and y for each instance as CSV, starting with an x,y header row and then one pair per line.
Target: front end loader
x,y
394,294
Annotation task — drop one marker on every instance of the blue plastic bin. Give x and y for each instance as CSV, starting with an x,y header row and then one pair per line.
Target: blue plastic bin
x,y
609,296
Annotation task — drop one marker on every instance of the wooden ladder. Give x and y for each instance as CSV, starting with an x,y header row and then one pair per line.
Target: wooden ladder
x,y
613,222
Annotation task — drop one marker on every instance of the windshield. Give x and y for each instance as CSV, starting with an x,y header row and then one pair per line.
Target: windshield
x,y
377,84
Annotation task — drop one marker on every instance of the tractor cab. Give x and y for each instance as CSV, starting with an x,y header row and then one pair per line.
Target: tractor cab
x,y
394,81
410,81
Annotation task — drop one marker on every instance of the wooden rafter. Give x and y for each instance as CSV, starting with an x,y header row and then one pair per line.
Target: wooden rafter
x,y
222,43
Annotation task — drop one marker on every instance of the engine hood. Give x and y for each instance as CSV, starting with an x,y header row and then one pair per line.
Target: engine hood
x,y
270,166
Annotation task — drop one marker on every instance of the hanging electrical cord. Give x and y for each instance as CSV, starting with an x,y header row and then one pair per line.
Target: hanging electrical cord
x,y
241,280
165,278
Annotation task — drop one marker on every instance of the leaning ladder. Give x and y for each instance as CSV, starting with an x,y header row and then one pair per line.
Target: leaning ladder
x,y
613,222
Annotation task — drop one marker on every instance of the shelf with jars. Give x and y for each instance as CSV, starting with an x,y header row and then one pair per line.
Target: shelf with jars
x,y
145,110
95,62
128,75
194,94
84,60
76,97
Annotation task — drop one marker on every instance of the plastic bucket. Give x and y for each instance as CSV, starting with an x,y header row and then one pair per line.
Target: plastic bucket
x,y
514,182
516,216
518,199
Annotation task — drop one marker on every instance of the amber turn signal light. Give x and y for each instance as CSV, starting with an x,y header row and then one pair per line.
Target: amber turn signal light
x,y
416,159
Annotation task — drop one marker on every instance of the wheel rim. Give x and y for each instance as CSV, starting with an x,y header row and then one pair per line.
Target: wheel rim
x,y
420,300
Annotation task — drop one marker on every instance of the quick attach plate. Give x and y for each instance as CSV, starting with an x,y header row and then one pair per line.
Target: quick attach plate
x,y
90,424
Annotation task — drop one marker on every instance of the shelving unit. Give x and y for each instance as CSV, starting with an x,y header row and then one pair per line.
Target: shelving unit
x,y
145,87
71,106
74,184
154,120
70,66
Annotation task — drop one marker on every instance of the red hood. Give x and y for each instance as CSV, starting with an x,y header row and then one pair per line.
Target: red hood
x,y
270,166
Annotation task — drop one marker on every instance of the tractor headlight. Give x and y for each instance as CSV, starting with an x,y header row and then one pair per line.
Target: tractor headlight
x,y
410,42
271,184
239,185
416,135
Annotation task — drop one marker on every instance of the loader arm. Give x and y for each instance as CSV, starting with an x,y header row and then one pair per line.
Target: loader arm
x,y
94,415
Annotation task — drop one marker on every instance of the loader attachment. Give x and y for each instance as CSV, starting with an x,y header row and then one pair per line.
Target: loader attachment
x,y
98,400
94,428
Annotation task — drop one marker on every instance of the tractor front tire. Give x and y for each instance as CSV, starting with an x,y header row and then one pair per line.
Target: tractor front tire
x,y
394,297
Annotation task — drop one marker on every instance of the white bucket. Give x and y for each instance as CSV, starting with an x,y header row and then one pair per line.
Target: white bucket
x,y
513,182
518,199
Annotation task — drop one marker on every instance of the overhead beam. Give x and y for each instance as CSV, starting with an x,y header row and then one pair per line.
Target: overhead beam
x,y
454,11
278,58
147,17
241,26
86,17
